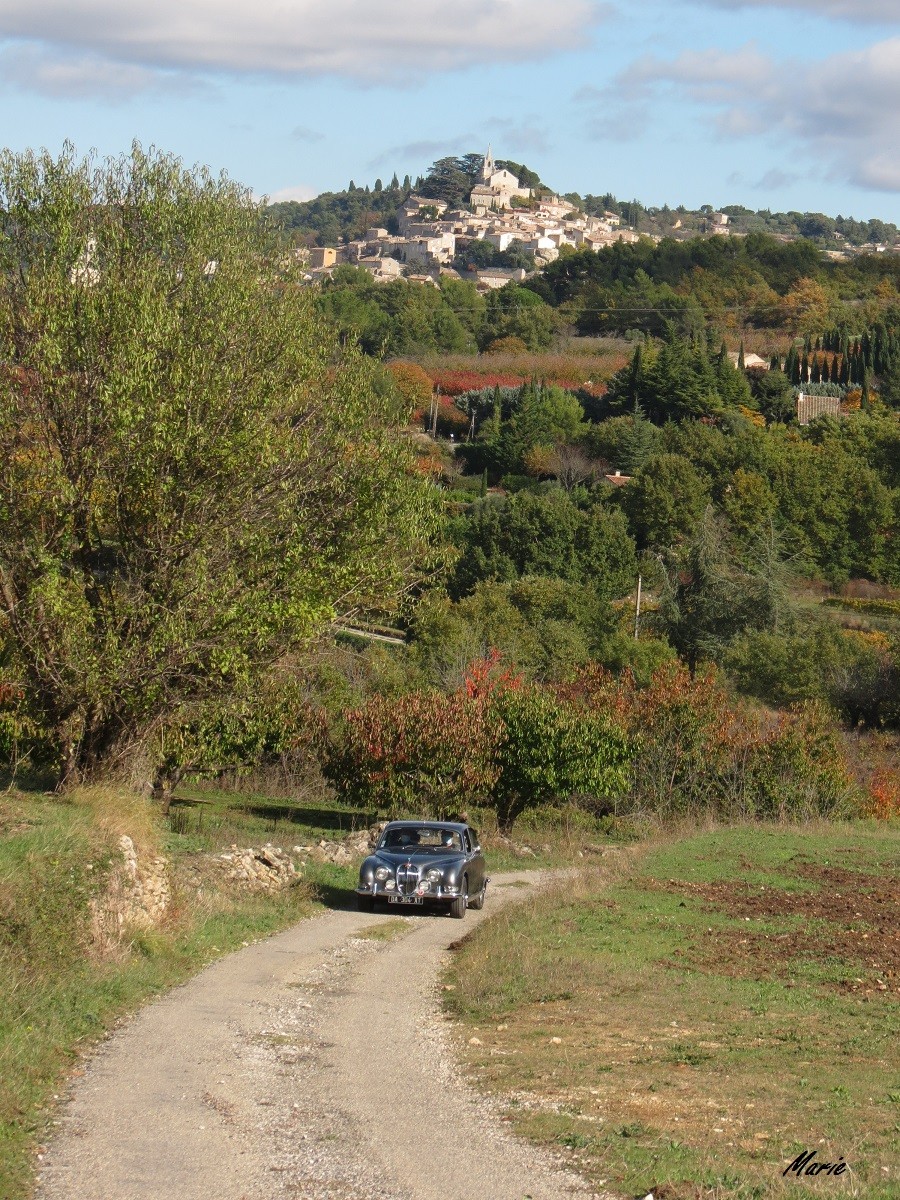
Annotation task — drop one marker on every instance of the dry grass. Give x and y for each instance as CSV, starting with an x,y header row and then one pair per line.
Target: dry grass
x,y
574,361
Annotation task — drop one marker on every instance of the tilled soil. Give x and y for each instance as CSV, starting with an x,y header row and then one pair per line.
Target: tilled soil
x,y
312,1066
848,916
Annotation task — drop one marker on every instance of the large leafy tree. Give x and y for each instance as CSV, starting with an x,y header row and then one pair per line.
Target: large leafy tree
x,y
194,475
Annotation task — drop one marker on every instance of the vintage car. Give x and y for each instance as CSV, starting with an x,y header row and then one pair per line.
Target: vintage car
x,y
435,863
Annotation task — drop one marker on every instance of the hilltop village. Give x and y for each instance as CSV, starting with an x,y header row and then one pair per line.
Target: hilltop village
x,y
431,235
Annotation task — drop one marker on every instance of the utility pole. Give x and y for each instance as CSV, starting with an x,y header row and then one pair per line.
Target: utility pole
x,y
637,609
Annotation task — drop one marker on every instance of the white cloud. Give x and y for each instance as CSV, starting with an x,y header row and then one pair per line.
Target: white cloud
x,y
843,112
886,12
84,75
299,191
371,41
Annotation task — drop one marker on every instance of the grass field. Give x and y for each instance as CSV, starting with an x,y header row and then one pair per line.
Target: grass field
x,y
692,1017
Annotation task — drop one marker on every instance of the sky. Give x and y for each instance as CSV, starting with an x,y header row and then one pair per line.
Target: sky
x,y
778,104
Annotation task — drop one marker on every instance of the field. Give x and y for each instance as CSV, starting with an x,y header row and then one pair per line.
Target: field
x,y
690,1019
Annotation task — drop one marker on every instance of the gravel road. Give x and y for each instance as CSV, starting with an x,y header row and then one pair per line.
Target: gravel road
x,y
312,1066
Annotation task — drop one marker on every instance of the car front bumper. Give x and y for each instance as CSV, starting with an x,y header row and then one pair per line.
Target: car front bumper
x,y
441,895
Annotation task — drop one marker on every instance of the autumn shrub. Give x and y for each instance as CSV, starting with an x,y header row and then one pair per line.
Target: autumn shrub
x,y
413,384
493,741
883,799
698,751
454,383
506,345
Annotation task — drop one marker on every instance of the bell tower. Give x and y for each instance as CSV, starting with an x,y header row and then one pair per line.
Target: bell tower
x,y
488,168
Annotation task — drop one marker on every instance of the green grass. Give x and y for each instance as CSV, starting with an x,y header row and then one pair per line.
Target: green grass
x,y
717,1007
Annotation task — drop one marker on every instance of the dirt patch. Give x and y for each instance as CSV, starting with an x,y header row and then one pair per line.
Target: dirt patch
x,y
848,916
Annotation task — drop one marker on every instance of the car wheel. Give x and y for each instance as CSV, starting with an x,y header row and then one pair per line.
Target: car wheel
x,y
459,905
366,903
477,902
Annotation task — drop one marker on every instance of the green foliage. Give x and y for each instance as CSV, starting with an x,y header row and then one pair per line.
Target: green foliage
x,y
194,475
400,317
335,217
664,501
550,751
542,627
712,592
543,533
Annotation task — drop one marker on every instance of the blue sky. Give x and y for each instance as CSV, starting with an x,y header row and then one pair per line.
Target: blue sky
x,y
781,104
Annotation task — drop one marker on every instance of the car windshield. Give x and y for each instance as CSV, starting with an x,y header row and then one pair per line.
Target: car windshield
x,y
419,839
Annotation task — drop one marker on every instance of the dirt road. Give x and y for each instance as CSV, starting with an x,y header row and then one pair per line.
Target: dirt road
x,y
312,1066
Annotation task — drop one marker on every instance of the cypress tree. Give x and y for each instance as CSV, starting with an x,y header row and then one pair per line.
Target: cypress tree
x,y
407,183
835,374
740,362
816,370
395,182
775,363
379,187
804,368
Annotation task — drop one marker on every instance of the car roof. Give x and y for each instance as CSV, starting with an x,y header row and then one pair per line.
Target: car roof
x,y
458,825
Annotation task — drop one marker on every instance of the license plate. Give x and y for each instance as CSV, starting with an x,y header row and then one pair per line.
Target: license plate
x,y
404,899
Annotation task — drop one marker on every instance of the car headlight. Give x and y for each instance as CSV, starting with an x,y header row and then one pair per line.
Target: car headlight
x,y
381,874
433,876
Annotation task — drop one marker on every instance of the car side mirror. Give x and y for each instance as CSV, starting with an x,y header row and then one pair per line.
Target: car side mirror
x,y
476,849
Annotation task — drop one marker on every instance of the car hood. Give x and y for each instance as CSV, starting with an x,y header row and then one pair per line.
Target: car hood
x,y
393,858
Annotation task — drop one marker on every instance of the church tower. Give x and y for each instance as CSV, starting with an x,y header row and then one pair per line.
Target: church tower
x,y
488,168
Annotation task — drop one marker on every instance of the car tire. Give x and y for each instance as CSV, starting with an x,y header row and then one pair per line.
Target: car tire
x,y
460,904
366,903
477,902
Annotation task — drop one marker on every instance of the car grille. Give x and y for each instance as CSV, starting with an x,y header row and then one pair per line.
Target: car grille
x,y
407,878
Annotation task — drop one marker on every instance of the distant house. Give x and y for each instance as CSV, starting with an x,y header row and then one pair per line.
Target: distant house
x,y
498,277
751,361
382,268
810,407
496,188
322,256
617,479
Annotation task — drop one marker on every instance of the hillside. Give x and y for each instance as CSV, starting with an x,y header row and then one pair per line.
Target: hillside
x,y
339,216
